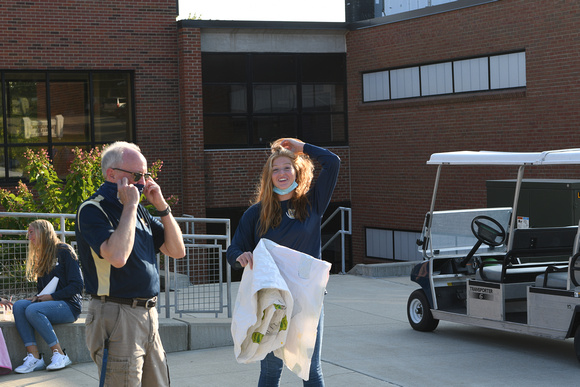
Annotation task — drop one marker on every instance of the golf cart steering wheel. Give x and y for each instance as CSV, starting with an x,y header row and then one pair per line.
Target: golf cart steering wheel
x,y
486,233
574,269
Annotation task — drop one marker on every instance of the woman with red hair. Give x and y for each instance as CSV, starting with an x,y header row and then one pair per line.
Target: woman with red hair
x,y
288,211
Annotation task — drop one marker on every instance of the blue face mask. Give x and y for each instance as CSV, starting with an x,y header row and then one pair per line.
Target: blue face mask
x,y
287,190
140,187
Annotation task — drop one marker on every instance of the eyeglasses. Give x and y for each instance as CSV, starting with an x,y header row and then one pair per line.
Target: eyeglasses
x,y
136,175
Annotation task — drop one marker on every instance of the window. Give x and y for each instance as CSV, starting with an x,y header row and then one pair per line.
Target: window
x,y
507,70
251,99
376,86
492,72
405,83
436,79
392,7
392,244
471,75
59,111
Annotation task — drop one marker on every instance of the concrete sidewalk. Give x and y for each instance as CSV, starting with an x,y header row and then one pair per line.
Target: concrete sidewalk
x,y
368,342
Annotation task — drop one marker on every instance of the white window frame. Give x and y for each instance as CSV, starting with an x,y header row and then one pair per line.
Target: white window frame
x,y
376,86
491,72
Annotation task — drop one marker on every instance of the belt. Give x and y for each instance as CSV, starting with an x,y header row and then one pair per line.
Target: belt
x,y
133,302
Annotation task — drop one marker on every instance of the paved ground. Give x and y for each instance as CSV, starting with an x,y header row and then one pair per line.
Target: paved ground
x,y
368,342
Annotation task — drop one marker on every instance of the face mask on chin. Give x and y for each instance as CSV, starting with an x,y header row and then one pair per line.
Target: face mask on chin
x,y
287,190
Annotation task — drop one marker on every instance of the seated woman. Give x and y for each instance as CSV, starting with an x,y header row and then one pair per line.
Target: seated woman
x,y
48,258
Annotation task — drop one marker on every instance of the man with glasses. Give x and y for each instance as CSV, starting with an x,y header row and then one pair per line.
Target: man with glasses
x,y
117,242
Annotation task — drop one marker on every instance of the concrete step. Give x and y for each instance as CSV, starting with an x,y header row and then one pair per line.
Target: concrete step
x,y
378,270
177,334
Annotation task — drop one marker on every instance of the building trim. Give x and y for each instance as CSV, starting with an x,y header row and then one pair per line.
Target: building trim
x,y
273,41
417,13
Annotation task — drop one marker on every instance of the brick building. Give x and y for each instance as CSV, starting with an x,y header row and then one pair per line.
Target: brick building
x,y
73,59
390,140
207,96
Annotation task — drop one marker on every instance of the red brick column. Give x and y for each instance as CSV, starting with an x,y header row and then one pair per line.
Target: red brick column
x,y
191,117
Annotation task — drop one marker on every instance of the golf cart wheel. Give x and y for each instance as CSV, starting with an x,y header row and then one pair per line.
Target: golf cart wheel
x,y
577,343
419,312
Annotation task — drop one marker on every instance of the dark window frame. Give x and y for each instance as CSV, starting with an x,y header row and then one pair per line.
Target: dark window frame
x,y
51,146
298,113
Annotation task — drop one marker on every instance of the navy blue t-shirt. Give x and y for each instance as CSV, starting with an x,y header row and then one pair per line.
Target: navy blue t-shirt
x,y
301,236
97,219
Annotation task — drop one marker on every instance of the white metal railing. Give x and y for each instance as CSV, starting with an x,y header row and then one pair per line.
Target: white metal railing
x,y
220,242
345,229
61,231
201,298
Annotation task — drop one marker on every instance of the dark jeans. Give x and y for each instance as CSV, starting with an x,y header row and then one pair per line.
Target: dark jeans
x,y
271,366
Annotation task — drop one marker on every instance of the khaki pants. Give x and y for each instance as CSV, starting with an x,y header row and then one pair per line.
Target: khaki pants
x,y
136,356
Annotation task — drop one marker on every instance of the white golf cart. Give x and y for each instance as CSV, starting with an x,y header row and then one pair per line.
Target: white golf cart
x,y
480,269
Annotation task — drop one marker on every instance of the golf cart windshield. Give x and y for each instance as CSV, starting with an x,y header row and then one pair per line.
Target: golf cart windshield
x,y
451,236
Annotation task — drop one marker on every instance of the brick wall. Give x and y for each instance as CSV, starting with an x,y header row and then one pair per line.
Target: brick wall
x,y
391,141
136,35
232,176
191,117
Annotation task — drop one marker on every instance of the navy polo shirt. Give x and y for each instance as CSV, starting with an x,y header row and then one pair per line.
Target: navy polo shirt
x,y
97,218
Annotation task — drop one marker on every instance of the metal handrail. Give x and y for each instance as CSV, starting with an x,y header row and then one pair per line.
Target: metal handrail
x,y
345,229
61,231
188,234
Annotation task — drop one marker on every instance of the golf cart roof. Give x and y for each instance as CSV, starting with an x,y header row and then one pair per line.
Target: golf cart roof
x,y
553,157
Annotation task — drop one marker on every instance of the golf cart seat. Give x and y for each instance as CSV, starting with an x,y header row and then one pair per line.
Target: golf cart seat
x,y
523,272
555,277
543,247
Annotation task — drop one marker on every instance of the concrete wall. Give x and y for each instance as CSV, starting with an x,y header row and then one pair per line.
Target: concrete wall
x,y
268,40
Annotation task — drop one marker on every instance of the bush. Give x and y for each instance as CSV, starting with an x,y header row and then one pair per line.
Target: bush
x,y
52,195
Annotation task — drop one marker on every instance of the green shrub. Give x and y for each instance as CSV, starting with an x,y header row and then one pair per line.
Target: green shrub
x,y
50,194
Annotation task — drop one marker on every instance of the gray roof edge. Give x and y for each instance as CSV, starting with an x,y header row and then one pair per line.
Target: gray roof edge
x,y
283,25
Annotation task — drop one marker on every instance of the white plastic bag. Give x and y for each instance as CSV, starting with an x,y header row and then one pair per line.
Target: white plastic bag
x,y
262,303
288,271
